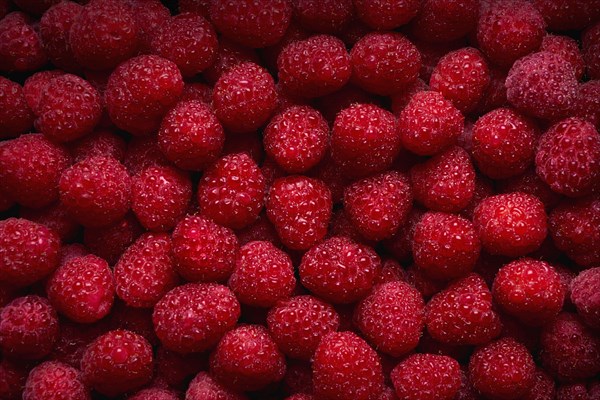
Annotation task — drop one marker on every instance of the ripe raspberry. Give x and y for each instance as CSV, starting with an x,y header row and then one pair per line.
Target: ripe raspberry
x,y
427,376
35,85
391,271
149,15
339,270
495,93
511,224
136,320
445,246
568,49
568,157
12,379
386,14
154,393
53,380
247,358
140,92
262,230
244,97
588,102
103,35
400,245
429,123
529,182
397,66
74,339
109,242
117,362
585,295
193,317
574,391
400,100
55,26
445,20
20,45
252,23
197,91
30,168
300,209
542,85
100,143
561,15
344,367
15,115
56,218
229,54
590,41
462,313
314,67
204,387
191,136
330,16
177,369
543,387
143,152
203,251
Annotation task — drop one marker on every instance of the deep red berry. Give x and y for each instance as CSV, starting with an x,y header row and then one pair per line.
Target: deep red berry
x,y
109,242
204,387
15,114
568,49
53,380
154,393
329,16
20,45
55,26
445,20
567,14
143,152
588,102
229,54
585,295
99,143
56,218
400,245
386,14
426,377
35,85
149,15
590,42
13,376
543,387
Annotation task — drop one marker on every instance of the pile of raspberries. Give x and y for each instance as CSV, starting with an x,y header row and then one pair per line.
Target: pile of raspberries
x,y
300,200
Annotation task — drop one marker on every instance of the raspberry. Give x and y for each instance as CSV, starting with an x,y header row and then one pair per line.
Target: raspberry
x,y
339,270
445,182
386,14
12,379
495,93
591,44
314,67
574,391
445,246
297,138
188,40
427,376
429,123
15,115
35,85
568,157
445,20
300,209
300,396
344,367
193,317
103,35
55,26
529,182
74,339
30,168
378,205
204,387
252,23
585,295
543,387
247,358
197,91
567,14
462,313
154,394
109,242
117,362
143,152
400,100
400,245
20,45
360,131
100,143
244,97
542,85
323,16
149,15
397,66
203,251
229,54
56,218
569,350
511,224
140,92
53,380
588,102
568,49
160,197
191,136
503,369
391,271
28,328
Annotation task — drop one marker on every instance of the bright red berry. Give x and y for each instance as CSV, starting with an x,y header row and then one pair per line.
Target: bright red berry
x,y
149,15
427,377
15,115
205,387
585,295
229,54
53,380
568,49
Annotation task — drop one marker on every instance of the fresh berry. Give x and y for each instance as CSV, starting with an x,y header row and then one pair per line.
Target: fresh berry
x,y
143,152
15,115
20,45
568,14
197,91
330,16
495,93
53,380
204,387
99,143
56,218
35,85
154,394
445,20
391,271
427,376
543,387
568,49
585,295
149,15
590,41
588,102
109,242
55,26
386,14
229,54
400,245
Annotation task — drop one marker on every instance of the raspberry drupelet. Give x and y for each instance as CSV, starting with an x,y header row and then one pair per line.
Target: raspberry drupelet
x,y
55,26
585,295
20,45
204,387
386,14
16,117
53,380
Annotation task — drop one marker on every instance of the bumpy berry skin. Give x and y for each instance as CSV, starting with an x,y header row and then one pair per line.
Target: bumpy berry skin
x,y
386,14
445,246
229,54
445,20
391,318
109,242
35,84
427,377
429,123
53,380
561,15
339,270
20,45
585,295
102,142
15,115
344,366
204,387
117,362
397,66
330,16
247,358
154,393
462,313
55,26
193,317
149,15
30,169
204,251
140,91
511,224
588,102
300,209
96,191
543,387
314,67
568,157
591,44
568,49
28,328
378,205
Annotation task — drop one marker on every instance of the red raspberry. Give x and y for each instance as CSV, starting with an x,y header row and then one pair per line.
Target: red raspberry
x,y
252,23
590,41
445,246
529,182
100,143
339,270
569,350
74,339
53,380
344,367
329,17
140,91
247,358
30,169
378,205
568,49
445,182
445,20
109,242
35,85
193,317
543,387
568,14
15,115
574,391
330,105
154,394
397,66
244,97
542,85
360,131
429,123
136,320
204,387
117,362
229,54
262,230
28,328
177,369
56,218
400,245
585,295
103,35
314,67
588,102
386,14
391,318
55,26
427,376
197,91
12,379
143,152
511,224
495,93
300,209
462,313
567,157
149,15
391,271
20,45
400,100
